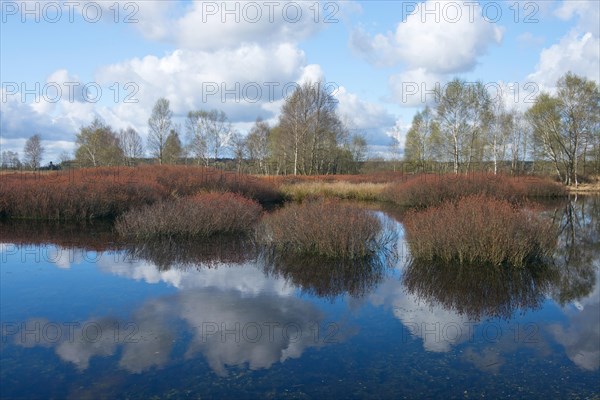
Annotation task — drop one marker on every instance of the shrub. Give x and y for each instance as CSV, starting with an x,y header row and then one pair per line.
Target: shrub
x,y
202,215
326,228
430,190
479,230
109,192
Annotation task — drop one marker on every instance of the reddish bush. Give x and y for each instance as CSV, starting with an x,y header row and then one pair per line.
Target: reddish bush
x,y
479,230
430,190
202,215
109,192
325,228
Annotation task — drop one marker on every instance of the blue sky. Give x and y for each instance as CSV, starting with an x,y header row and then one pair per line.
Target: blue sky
x,y
374,52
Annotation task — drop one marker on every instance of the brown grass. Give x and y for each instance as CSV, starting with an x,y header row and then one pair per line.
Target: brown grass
x,y
326,228
203,215
333,190
479,230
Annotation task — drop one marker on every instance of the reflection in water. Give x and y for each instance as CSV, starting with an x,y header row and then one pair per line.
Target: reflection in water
x,y
231,307
227,327
325,277
329,278
189,253
480,291
578,248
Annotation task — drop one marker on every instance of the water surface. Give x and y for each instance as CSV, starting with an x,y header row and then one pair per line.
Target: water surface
x,y
85,316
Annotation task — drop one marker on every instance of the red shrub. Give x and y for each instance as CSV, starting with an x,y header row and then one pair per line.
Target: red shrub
x,y
430,190
109,192
325,228
201,215
478,230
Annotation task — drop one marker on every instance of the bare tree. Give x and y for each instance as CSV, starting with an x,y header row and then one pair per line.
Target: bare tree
x,y
131,144
217,129
10,160
500,129
238,147
196,137
257,144
313,128
33,151
463,112
160,125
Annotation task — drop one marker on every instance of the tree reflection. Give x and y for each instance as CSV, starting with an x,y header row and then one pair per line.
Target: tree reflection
x,y
578,248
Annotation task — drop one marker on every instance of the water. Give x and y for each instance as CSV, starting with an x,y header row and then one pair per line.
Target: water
x,y
84,316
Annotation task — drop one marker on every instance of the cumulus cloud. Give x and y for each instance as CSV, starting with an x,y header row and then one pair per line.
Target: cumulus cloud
x,y
587,14
229,328
449,44
239,81
364,117
578,53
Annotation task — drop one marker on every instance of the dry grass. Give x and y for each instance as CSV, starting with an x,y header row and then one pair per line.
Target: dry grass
x,y
325,228
330,190
479,230
203,215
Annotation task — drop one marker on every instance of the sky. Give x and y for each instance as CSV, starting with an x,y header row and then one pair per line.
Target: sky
x,y
63,63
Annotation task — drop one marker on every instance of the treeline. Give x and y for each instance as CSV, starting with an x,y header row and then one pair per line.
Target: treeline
x,y
466,128
308,139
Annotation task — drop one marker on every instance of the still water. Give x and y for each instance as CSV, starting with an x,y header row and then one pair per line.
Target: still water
x,y
84,316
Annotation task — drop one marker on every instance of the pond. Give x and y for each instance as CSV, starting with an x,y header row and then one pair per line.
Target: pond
x,y
85,316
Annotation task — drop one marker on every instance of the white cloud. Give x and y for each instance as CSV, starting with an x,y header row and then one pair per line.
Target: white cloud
x,y
414,88
239,81
577,53
244,278
369,119
449,45
224,25
587,13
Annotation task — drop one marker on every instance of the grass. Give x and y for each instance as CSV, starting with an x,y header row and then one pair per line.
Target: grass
x,y
431,190
329,190
92,193
478,230
325,228
202,215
